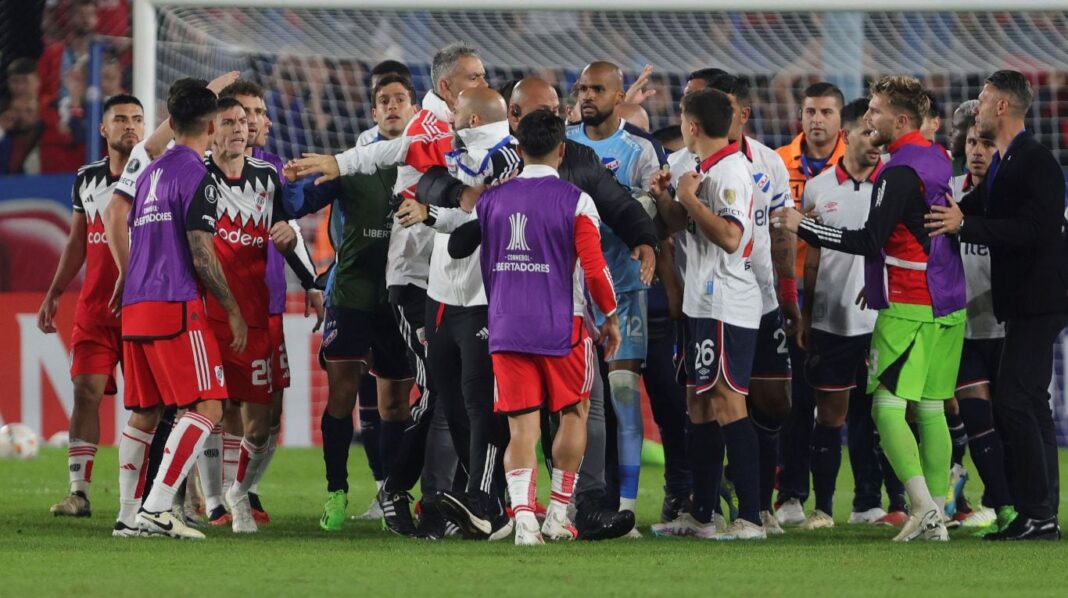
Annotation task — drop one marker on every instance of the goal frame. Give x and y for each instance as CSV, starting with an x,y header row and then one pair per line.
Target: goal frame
x,y
146,26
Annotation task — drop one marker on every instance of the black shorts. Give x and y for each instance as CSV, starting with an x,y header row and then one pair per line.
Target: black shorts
x,y
368,337
834,362
717,348
772,359
979,362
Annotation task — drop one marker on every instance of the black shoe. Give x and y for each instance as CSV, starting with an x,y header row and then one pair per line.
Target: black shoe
x,y
431,519
674,505
597,523
1025,528
478,515
397,512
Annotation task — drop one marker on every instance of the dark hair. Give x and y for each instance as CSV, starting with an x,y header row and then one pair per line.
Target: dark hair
x,y
824,90
706,75
1016,86
668,134
191,109
119,100
389,80
391,67
22,66
712,110
730,85
506,89
540,132
183,84
226,103
936,109
853,112
243,87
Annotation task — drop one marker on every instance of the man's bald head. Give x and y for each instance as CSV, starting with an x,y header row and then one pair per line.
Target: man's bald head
x,y
531,94
479,106
600,90
634,114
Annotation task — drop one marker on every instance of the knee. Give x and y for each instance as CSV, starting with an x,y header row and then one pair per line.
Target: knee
x,y
625,392
832,411
212,410
86,396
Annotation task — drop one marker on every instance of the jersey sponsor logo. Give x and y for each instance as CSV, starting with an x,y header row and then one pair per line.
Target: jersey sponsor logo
x,y
375,233
612,164
518,223
153,182
96,238
239,237
151,218
974,249
831,206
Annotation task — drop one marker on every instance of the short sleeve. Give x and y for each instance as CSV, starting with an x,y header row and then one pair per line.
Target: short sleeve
x,y
730,199
135,165
203,206
76,194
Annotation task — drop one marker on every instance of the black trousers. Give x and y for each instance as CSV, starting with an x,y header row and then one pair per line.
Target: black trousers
x,y
667,399
797,432
1022,412
459,362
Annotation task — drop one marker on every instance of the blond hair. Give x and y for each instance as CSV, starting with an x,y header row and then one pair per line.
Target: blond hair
x,y
904,93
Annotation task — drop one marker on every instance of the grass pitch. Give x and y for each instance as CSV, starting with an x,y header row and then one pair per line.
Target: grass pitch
x,y
44,556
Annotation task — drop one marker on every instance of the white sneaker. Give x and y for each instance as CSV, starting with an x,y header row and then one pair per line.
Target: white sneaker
x,y
121,530
790,512
682,526
866,517
165,524
502,532
740,529
557,527
373,512
771,524
527,532
929,526
633,534
241,512
720,522
982,517
818,520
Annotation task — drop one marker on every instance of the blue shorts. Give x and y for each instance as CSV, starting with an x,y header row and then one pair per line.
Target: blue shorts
x,y
633,312
371,338
717,348
835,363
772,359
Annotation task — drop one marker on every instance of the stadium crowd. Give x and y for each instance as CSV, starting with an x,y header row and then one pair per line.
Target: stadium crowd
x,y
523,261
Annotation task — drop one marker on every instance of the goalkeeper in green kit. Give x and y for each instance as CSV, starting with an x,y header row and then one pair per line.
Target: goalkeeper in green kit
x,y
917,283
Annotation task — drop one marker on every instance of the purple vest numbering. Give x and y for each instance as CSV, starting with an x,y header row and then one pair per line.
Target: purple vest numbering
x,y
528,262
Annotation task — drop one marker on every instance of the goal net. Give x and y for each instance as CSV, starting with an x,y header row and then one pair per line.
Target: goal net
x,y
315,63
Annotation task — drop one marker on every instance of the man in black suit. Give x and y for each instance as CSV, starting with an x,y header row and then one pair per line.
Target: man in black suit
x,y
1018,212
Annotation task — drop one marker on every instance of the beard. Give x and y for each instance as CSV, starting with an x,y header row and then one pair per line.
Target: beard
x,y
596,119
123,147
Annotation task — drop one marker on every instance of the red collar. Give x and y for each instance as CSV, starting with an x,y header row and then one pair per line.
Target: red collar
x,y
968,183
913,138
712,160
746,148
844,176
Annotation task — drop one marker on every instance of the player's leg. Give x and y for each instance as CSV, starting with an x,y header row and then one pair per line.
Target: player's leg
x,y
957,505
84,436
370,426
988,454
623,380
521,466
280,378
769,406
667,399
142,398
256,418
795,441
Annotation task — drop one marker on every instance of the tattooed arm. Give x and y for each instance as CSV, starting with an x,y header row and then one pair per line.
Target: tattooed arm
x,y
208,268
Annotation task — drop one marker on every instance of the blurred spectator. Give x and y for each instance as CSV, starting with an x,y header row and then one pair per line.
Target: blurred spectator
x,y
22,79
20,130
285,107
63,87
114,18
111,77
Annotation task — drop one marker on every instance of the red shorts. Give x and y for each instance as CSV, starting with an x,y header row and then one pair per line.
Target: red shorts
x,y
524,382
248,374
96,350
170,355
279,357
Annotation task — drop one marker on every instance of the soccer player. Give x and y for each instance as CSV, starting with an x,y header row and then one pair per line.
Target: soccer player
x,y
535,230
96,342
170,354
597,517
633,156
917,283
723,306
251,96
837,333
457,340
932,121
817,148
250,214
984,338
426,140
361,334
378,71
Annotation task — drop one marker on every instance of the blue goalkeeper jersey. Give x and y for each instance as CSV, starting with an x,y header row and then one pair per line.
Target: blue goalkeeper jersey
x,y
633,156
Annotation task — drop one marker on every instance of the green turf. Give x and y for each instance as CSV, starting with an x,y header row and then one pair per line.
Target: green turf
x,y
41,555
